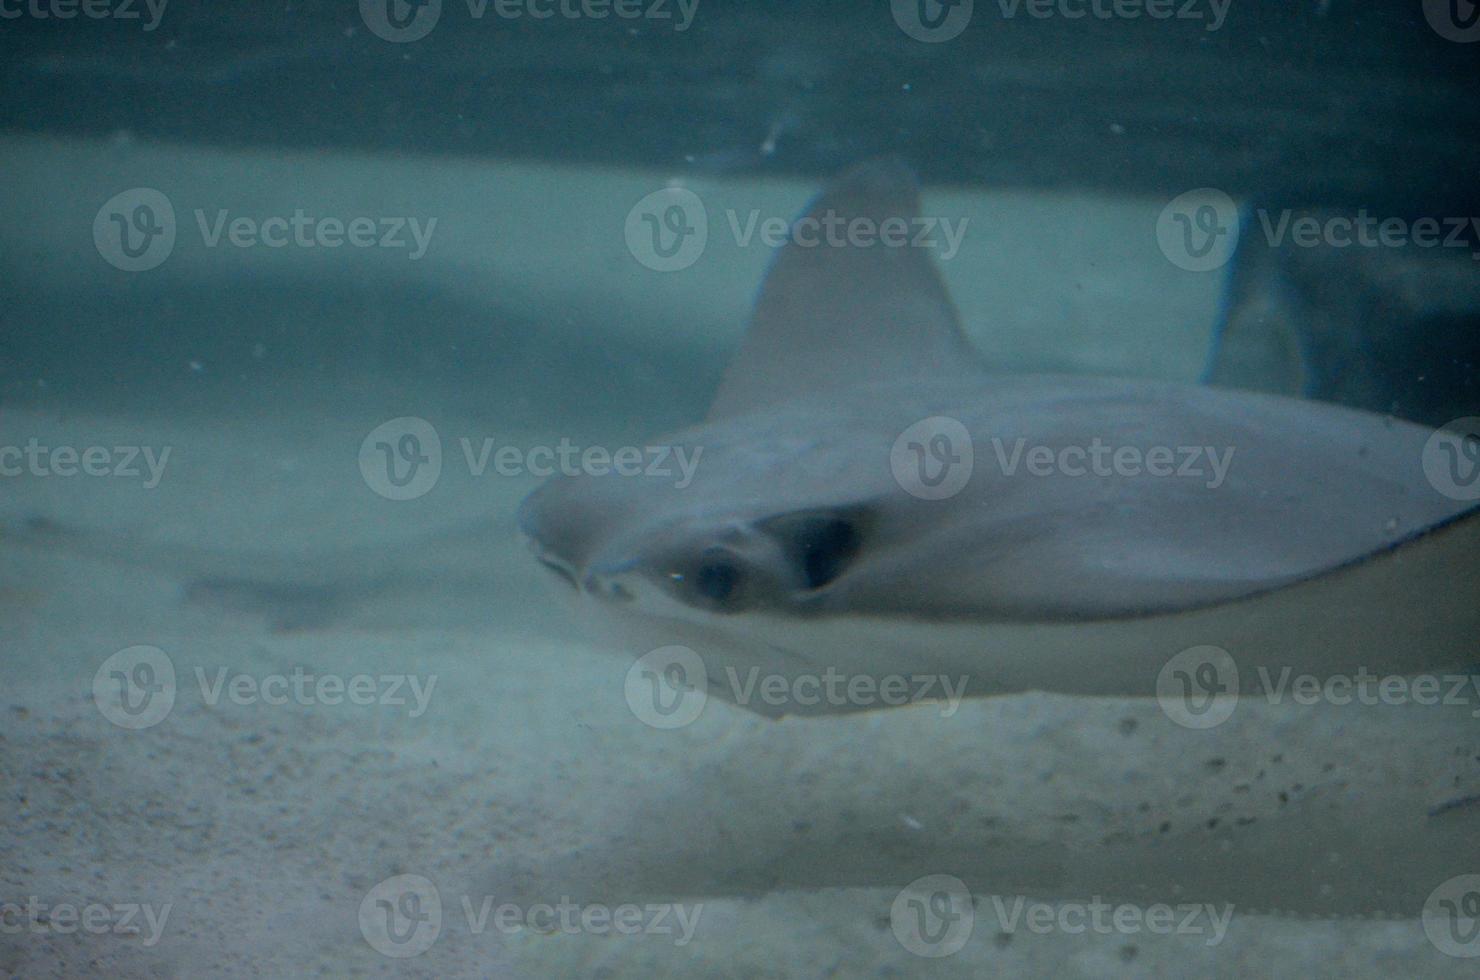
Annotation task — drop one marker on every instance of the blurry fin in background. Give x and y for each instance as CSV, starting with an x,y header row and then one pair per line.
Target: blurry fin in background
x,y
1384,327
289,608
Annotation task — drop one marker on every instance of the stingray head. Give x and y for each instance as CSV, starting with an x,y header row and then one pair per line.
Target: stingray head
x,y
621,546
783,503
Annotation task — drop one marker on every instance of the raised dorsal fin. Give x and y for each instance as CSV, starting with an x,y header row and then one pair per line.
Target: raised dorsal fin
x,y
835,314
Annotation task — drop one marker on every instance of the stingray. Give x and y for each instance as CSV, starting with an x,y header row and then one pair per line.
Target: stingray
x,y
1388,329
871,502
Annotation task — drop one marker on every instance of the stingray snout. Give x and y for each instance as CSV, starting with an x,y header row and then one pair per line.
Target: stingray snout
x,y
610,581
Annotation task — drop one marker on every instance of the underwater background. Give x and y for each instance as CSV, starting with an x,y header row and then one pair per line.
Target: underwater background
x,y
241,245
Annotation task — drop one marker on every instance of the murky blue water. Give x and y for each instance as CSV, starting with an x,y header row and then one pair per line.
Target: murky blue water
x,y
300,302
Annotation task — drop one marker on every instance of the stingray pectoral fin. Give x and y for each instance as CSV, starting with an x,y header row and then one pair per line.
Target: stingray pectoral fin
x,y
1409,609
1414,607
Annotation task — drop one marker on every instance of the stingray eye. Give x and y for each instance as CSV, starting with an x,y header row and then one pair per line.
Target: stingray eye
x,y
818,545
715,580
824,547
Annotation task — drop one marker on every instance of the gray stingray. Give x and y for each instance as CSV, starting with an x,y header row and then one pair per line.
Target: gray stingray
x,y
1390,329
804,545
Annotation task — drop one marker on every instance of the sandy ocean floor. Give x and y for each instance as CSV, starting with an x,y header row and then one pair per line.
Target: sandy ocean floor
x,y
236,837
527,778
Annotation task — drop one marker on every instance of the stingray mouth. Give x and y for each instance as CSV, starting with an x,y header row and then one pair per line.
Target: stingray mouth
x,y
562,569
608,584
